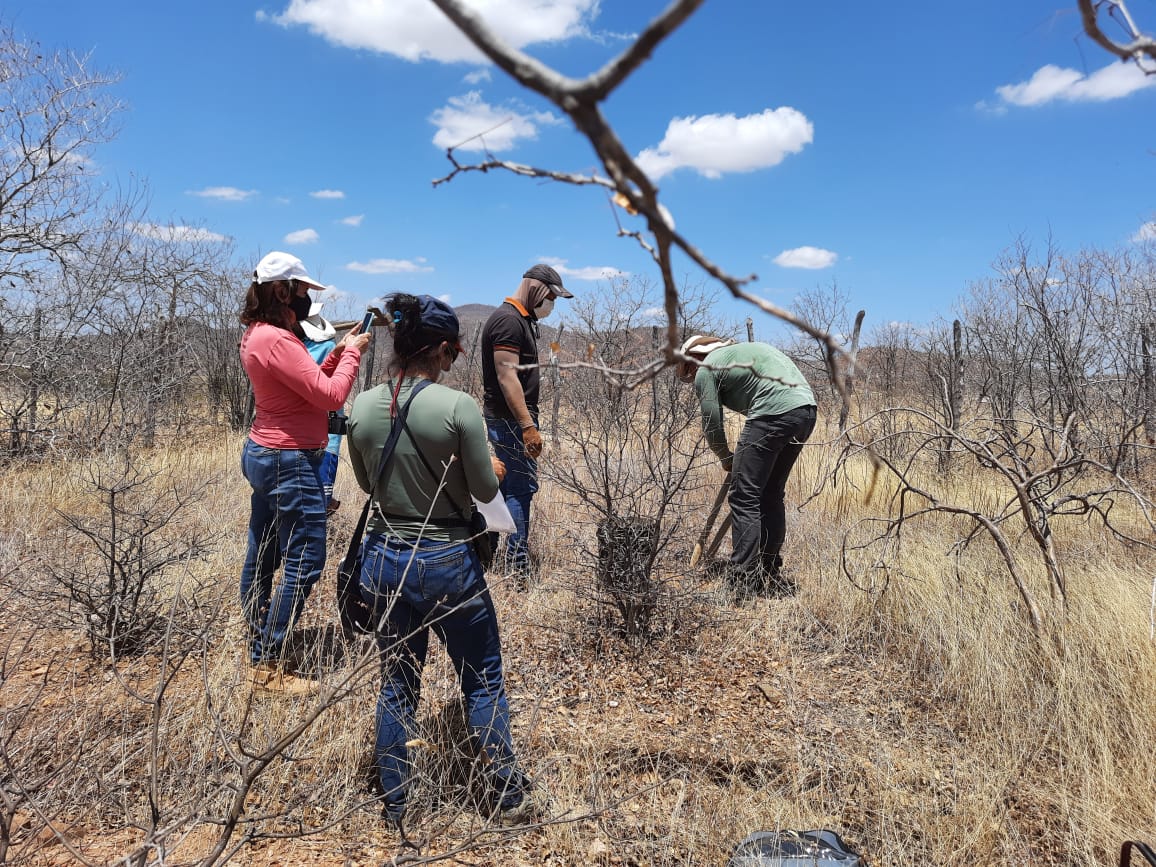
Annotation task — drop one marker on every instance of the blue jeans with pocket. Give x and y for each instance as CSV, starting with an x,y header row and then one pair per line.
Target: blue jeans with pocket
x,y
518,488
286,526
438,586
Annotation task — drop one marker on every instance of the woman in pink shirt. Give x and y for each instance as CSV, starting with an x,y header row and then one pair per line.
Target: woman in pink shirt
x,y
282,457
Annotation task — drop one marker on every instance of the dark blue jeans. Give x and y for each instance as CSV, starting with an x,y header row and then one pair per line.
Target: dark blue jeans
x,y
438,586
286,525
328,474
766,452
518,488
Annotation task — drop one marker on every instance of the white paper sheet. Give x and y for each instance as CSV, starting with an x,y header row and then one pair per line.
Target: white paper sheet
x,y
498,517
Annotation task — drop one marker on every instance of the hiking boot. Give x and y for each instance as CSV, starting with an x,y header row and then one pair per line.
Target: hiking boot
x,y
394,816
530,809
743,584
778,586
333,505
775,581
269,678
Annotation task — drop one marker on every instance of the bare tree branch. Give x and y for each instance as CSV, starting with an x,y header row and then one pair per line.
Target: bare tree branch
x,y
579,100
1138,48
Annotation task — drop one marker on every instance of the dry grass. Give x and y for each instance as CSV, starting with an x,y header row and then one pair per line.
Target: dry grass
x,y
917,713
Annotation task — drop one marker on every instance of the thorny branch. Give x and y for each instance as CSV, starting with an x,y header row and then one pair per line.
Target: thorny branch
x,y
579,99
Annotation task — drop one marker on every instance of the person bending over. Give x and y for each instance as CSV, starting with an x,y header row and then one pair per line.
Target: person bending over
x,y
760,382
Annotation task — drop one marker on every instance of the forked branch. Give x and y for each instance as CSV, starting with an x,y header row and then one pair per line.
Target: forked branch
x,y
1138,47
579,99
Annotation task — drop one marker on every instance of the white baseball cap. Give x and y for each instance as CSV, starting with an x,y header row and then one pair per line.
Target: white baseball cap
x,y
702,344
283,266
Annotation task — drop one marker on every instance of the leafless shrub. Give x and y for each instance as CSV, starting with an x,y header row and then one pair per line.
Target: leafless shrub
x,y
107,580
1038,478
626,551
631,458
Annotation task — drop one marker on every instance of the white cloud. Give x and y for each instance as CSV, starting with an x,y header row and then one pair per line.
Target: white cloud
x,y
471,124
718,143
478,76
1146,232
1051,83
225,194
417,30
390,266
302,236
176,233
354,221
447,298
806,257
590,272
328,194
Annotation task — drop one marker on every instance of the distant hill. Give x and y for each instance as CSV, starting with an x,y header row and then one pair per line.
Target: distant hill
x,y
474,311
473,316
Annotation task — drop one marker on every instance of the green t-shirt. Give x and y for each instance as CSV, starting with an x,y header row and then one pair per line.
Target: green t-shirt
x,y
753,379
449,428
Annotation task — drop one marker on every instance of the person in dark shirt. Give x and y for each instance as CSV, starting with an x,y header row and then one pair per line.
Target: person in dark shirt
x,y
510,379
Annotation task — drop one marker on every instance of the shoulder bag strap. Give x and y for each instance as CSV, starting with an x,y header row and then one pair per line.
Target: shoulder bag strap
x,y
386,453
437,479
395,434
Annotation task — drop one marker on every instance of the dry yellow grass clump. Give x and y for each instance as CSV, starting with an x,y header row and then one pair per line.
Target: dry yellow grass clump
x,y
911,709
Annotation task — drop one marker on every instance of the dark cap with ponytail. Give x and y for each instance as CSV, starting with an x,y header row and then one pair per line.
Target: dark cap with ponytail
x,y
419,323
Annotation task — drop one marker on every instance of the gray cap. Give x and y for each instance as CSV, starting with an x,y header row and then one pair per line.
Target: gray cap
x,y
546,274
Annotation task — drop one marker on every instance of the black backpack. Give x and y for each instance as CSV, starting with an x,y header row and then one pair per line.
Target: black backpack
x,y
820,848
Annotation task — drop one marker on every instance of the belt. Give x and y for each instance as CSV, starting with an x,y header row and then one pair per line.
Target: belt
x,y
444,523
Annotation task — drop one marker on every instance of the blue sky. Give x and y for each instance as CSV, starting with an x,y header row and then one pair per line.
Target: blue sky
x,y
894,148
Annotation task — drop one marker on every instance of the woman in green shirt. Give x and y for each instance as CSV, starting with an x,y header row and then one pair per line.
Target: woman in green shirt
x,y
761,383
420,571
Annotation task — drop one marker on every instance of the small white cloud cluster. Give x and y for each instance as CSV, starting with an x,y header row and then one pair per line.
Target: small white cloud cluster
x,y
390,266
225,194
811,258
179,234
588,272
471,124
717,143
302,236
1053,83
